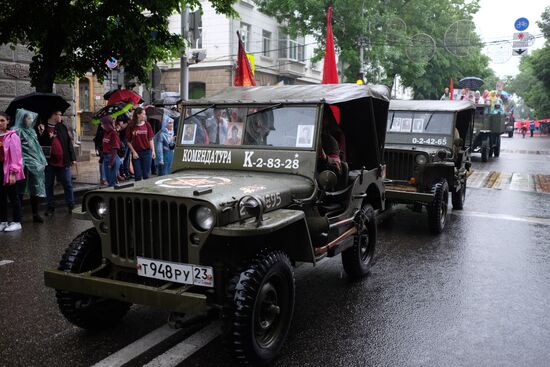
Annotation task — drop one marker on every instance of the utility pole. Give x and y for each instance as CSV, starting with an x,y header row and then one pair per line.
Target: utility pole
x,y
362,43
184,65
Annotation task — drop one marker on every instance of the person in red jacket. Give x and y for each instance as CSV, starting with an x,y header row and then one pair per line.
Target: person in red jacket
x,y
139,135
110,147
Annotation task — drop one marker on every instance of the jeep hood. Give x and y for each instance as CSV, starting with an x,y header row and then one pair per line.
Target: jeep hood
x,y
221,186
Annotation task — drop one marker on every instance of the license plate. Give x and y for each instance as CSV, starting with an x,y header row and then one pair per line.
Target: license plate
x,y
176,272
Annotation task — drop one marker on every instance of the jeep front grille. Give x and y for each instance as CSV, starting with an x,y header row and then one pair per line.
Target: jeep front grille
x,y
155,229
399,164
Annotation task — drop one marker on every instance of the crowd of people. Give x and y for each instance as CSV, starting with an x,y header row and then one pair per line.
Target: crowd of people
x,y
493,100
33,154
129,147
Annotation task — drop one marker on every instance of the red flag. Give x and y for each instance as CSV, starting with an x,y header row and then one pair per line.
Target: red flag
x,y
451,91
243,74
330,73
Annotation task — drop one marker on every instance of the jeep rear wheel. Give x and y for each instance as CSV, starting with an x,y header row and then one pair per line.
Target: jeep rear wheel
x,y
496,149
511,134
260,308
437,209
357,259
87,312
458,197
484,153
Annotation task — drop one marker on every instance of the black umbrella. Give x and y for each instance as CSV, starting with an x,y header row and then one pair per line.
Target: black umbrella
x,y
470,82
42,103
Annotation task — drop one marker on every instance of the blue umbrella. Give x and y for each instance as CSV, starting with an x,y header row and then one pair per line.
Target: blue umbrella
x,y
470,82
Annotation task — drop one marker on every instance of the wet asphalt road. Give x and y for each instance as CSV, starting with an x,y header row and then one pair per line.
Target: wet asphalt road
x,y
476,295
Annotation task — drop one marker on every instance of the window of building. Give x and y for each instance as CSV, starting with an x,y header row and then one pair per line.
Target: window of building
x,y
291,48
197,90
266,43
84,94
245,35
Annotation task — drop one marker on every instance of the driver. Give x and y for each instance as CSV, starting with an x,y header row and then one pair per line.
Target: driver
x,y
257,129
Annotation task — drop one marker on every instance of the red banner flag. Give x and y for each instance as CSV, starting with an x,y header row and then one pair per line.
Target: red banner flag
x,y
243,74
451,91
330,72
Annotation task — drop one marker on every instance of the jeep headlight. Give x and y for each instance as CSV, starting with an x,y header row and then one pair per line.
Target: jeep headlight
x,y
421,159
203,218
98,207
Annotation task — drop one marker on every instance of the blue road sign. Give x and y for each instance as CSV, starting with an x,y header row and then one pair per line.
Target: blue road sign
x,y
521,24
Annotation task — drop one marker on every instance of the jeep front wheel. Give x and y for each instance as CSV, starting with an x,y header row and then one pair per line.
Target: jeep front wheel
x,y
87,312
357,259
260,308
437,209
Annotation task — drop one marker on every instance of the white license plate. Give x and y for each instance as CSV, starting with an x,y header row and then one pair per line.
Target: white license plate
x,y
176,272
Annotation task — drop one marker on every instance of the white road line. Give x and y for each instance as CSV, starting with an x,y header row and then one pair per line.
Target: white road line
x,y
186,348
478,179
5,262
534,220
522,182
138,347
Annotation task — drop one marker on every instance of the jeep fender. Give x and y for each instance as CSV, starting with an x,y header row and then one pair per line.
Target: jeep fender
x,y
281,229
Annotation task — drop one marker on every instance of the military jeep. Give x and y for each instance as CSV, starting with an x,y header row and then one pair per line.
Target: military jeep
x,y
427,155
246,202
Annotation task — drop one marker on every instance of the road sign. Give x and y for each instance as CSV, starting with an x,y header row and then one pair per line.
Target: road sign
x,y
519,51
521,24
520,40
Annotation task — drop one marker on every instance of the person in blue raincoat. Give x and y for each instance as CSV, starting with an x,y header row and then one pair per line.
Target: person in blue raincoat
x,y
164,146
33,159
532,127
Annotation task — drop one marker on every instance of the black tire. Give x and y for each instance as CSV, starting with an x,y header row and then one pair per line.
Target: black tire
x,y
357,260
496,149
87,312
459,197
484,153
510,134
260,308
437,209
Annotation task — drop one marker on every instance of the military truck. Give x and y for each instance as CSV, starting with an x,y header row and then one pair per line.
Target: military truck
x,y
427,155
486,133
248,199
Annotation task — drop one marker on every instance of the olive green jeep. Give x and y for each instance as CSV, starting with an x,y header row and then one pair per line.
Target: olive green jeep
x,y
247,201
427,155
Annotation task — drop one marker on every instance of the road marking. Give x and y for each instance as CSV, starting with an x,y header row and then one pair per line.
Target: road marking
x,y
534,220
138,347
186,348
509,181
5,262
523,151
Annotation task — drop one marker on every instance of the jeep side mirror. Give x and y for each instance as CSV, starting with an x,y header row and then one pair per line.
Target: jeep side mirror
x,y
327,180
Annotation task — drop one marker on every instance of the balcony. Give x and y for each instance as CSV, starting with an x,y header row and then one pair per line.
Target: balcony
x,y
291,68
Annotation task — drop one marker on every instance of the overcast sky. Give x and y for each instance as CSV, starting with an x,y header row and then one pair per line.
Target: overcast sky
x,y
495,21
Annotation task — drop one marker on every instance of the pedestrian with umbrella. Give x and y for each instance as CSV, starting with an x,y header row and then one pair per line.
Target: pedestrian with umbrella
x,y
55,139
11,171
33,158
41,103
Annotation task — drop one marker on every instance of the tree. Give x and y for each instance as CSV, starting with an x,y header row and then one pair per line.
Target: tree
x,y
72,37
387,28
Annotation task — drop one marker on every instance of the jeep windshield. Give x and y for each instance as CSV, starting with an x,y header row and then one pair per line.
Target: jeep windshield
x,y
274,125
424,128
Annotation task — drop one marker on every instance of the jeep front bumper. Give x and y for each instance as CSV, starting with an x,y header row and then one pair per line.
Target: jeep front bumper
x,y
406,193
171,299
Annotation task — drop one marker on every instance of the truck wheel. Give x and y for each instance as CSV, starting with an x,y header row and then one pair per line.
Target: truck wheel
x,y
496,149
260,308
459,197
87,312
437,210
511,134
358,258
484,153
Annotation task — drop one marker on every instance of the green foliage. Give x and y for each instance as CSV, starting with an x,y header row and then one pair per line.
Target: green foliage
x,y
529,84
72,37
380,24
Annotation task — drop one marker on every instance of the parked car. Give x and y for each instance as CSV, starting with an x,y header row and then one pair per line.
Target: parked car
x,y
427,155
222,233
